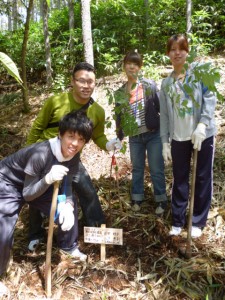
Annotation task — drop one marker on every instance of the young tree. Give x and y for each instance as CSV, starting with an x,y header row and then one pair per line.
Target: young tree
x,y
86,31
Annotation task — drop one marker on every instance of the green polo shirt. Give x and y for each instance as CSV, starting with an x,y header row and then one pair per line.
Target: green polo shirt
x,y
55,108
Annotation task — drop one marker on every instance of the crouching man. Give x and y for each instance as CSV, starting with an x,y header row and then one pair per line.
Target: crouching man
x,y
27,176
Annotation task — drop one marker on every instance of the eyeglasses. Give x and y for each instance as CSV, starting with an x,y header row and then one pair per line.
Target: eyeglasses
x,y
84,82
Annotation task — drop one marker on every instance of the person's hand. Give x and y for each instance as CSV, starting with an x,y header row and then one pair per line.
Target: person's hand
x,y
198,136
56,173
66,217
166,152
114,144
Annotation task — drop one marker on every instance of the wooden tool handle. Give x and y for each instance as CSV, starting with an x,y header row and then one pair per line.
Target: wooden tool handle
x,y
48,281
191,206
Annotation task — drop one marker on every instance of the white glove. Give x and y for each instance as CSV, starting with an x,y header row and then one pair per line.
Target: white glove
x,y
66,217
166,152
114,144
56,173
198,136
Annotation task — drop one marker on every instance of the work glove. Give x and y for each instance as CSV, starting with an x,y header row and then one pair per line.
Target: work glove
x,y
114,144
56,173
66,217
166,152
198,136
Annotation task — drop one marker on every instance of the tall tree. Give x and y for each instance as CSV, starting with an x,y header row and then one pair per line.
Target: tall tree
x,y
23,56
14,14
147,23
47,44
71,28
9,16
86,31
188,16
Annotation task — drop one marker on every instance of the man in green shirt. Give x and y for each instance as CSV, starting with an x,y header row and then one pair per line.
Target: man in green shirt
x,y
46,126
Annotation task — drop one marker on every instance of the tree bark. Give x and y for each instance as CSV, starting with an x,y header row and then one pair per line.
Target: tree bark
x,y
47,45
86,31
23,57
188,16
71,28
147,19
9,17
14,14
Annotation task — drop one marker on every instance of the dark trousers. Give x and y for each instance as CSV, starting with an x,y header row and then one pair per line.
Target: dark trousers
x,y
181,157
11,203
88,199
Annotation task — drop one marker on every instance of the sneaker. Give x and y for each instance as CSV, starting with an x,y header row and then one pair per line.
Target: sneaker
x,y
77,254
3,290
175,230
161,208
136,206
196,232
33,244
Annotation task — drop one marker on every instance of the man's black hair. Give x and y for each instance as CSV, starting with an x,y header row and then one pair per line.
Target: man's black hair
x,y
77,121
83,66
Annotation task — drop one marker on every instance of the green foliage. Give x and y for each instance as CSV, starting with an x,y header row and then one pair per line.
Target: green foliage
x,y
108,63
8,99
208,23
205,73
10,67
118,26
60,83
209,76
150,62
122,109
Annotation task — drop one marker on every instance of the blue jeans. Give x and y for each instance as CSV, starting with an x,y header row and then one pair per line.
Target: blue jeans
x,y
149,142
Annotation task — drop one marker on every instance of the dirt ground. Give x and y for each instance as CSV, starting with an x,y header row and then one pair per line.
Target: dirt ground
x,y
149,264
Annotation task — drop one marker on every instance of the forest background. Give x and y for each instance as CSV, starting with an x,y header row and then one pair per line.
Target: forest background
x,y
148,265
117,26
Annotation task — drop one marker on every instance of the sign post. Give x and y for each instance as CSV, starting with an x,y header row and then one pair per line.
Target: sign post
x,y
104,236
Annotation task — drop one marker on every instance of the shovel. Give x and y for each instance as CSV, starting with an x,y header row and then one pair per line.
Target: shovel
x,y
48,282
191,206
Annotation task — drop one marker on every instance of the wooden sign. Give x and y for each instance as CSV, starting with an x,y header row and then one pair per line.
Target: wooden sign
x,y
99,235
104,236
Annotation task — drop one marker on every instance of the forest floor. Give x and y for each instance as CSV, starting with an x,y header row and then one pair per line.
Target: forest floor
x,y
149,264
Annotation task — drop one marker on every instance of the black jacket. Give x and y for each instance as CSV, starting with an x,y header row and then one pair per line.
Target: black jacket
x,y
151,106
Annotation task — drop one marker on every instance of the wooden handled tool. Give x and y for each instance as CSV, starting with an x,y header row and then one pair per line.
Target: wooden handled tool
x,y
48,279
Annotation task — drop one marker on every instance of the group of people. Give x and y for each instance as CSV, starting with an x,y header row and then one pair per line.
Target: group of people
x,y
165,131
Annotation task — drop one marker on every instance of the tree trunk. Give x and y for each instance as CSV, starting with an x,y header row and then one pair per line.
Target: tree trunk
x,y
147,19
86,31
14,14
41,9
71,28
23,57
58,4
47,45
9,17
188,16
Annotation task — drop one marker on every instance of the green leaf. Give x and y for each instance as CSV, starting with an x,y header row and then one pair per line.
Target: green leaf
x,y
10,67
